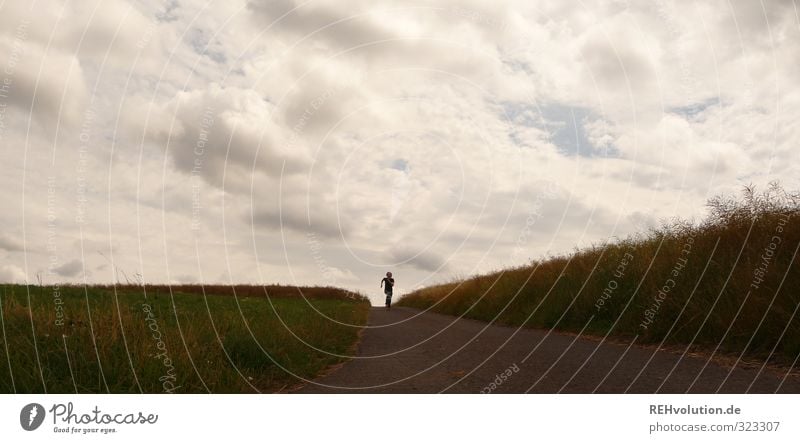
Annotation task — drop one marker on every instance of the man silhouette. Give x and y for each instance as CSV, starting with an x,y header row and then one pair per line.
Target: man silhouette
x,y
387,289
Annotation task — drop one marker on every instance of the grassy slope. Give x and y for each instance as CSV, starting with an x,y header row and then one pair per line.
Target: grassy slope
x,y
127,358
714,296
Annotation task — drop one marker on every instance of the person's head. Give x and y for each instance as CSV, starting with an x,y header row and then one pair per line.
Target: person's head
x,y
388,274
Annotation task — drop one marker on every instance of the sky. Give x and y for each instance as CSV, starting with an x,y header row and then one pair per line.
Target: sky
x,y
327,142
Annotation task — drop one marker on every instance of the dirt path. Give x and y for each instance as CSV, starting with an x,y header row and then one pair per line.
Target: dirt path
x,y
407,351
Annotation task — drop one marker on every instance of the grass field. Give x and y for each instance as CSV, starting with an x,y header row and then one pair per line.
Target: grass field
x,y
234,339
729,284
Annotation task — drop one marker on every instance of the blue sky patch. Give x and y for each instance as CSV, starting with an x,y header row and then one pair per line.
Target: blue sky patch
x,y
692,111
564,125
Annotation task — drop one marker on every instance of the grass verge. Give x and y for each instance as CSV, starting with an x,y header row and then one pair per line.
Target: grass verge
x,y
182,339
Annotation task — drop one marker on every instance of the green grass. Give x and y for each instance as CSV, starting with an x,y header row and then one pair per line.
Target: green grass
x,y
718,298
100,339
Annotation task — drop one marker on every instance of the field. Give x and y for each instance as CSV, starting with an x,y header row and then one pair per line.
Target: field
x,y
183,339
728,285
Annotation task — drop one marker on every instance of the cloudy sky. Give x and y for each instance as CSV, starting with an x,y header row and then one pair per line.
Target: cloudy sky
x,y
326,142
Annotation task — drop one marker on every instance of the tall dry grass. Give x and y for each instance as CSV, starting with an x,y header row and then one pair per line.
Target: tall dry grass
x,y
729,283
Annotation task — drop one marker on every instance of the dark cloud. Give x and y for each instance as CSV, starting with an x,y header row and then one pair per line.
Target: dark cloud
x,y
297,220
226,132
56,93
330,22
423,260
9,243
69,269
618,67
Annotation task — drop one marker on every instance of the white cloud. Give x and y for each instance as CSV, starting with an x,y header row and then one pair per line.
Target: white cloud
x,y
416,136
12,274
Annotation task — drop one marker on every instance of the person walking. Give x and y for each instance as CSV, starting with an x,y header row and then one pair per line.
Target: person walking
x,y
388,284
